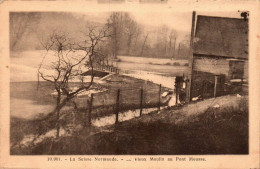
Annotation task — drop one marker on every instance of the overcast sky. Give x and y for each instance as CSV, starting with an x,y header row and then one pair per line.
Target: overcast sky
x,y
180,21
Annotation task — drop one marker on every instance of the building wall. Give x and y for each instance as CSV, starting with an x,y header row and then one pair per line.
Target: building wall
x,y
205,69
203,84
215,66
246,71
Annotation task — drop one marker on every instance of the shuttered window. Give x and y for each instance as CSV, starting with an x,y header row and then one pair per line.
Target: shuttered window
x,y
236,69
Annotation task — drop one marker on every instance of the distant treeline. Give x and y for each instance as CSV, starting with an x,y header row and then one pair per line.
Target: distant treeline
x,y
128,37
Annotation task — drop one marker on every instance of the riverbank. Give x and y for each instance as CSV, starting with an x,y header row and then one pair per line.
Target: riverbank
x,y
30,104
28,100
212,126
153,61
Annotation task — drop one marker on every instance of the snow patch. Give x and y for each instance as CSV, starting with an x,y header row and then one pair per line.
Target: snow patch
x,y
130,114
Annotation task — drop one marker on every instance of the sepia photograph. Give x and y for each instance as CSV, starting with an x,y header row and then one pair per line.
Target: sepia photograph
x,y
129,83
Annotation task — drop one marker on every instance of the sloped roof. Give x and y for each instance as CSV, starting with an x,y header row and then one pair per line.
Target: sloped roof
x,y
219,36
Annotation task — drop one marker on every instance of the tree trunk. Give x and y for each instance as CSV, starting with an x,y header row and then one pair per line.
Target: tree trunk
x,y
170,47
144,44
129,42
58,123
136,41
179,50
165,48
173,55
58,107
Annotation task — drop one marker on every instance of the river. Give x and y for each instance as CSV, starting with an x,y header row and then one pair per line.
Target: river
x,y
24,67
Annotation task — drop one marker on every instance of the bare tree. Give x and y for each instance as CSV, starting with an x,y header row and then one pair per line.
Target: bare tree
x,y
115,24
68,64
184,48
179,48
130,29
19,25
172,37
138,32
161,44
145,39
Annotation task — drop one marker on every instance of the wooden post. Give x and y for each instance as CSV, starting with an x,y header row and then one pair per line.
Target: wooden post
x,y
117,104
179,48
141,101
242,79
177,90
189,84
85,114
90,109
159,103
215,85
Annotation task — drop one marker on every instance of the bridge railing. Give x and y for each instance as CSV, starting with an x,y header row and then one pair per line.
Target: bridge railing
x,y
106,68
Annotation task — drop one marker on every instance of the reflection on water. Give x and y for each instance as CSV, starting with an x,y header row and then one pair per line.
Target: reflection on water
x,y
24,68
165,81
28,109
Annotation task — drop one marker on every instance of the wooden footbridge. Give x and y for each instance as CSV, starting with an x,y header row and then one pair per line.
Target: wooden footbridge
x,y
102,70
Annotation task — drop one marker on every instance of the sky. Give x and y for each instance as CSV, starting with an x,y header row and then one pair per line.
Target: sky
x,y
173,20
180,21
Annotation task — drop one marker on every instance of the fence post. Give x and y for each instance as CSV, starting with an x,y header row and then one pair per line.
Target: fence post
x,y
141,102
117,105
215,85
85,115
159,103
90,109
177,91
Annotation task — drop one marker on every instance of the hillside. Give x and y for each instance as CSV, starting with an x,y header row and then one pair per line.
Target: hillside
x,y
213,126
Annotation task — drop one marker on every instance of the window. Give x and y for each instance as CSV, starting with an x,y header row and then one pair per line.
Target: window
x,y
236,69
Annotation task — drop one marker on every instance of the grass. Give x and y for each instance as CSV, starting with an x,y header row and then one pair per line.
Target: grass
x,y
21,127
215,131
